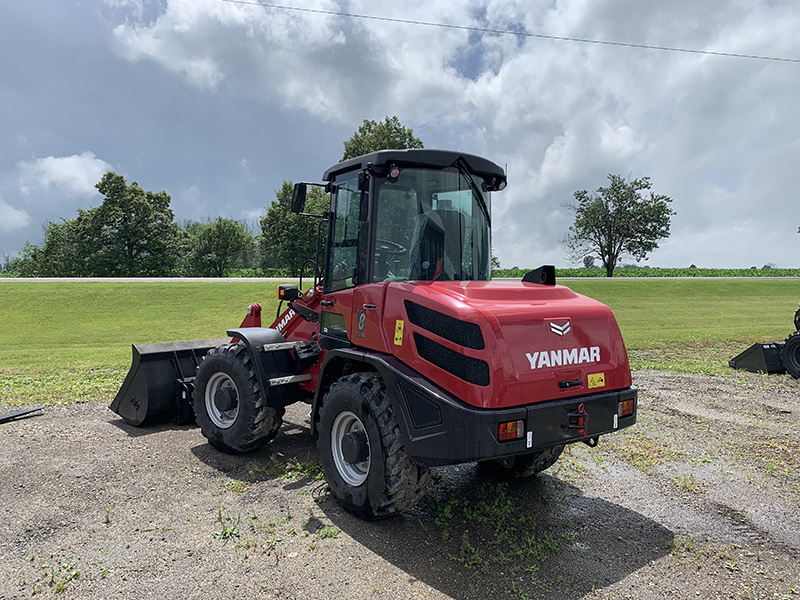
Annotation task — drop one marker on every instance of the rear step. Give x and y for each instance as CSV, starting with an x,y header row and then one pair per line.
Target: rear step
x,y
160,382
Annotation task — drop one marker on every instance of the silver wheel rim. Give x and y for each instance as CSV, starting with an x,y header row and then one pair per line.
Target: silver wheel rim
x,y
221,418
354,474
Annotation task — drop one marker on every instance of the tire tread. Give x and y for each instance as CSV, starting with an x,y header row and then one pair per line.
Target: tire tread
x,y
265,421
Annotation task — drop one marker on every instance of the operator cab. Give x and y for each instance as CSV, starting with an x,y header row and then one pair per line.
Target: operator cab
x,y
419,215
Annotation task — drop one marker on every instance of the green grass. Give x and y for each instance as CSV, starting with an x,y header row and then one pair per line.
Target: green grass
x,y
695,326
71,342
622,272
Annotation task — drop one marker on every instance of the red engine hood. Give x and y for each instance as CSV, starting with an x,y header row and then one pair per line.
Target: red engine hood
x,y
538,342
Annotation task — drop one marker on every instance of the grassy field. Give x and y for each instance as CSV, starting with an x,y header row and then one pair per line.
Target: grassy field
x,y
70,342
695,326
658,272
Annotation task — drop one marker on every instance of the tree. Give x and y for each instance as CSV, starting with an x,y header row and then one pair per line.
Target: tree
x,y
588,261
217,246
373,136
618,220
287,239
62,253
132,233
5,261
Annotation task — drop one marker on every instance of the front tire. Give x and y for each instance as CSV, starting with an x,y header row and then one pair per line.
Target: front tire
x,y
790,355
523,465
362,452
231,411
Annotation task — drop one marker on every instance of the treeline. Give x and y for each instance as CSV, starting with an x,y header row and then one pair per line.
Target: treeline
x,y
133,233
765,271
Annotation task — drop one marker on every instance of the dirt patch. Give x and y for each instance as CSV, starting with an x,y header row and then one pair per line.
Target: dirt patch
x,y
699,500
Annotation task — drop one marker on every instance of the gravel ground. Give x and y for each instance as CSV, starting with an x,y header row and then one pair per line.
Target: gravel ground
x,y
699,500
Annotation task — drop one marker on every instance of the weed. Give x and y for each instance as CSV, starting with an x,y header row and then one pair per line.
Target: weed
x,y
294,470
57,576
235,485
520,594
642,451
679,545
445,512
107,519
226,533
687,483
247,543
328,533
229,528
155,528
468,555
542,546
257,525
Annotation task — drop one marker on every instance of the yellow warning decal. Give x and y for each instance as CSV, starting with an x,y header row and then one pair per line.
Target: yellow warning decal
x,y
398,332
596,380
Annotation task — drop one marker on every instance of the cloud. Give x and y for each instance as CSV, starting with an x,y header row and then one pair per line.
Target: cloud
x,y
74,175
12,218
561,115
192,86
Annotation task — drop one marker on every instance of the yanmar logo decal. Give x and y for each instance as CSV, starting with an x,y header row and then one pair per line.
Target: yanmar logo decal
x,y
560,358
285,320
562,329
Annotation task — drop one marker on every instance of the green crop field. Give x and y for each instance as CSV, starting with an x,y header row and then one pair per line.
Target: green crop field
x,y
71,342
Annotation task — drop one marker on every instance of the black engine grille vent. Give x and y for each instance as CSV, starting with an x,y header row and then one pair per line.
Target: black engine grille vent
x,y
459,332
471,370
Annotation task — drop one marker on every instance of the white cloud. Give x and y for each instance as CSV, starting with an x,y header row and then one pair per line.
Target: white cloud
x,y
562,115
12,218
74,175
719,135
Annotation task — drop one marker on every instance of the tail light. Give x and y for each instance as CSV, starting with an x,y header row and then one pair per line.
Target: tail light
x,y
625,408
511,430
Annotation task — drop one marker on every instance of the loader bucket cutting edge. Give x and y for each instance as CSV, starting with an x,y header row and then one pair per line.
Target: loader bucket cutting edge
x,y
158,374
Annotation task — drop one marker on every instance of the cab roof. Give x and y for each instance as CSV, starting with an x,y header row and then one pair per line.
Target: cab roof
x,y
420,157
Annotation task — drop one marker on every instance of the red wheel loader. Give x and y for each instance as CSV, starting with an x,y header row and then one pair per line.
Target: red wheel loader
x,y
407,352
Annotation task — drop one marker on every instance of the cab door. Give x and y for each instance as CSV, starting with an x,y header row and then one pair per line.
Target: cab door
x,y
342,270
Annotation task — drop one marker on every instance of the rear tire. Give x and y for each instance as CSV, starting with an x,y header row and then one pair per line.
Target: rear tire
x,y
231,411
362,452
790,355
523,465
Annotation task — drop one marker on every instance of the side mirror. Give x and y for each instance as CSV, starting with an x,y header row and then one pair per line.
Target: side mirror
x,y
288,292
299,197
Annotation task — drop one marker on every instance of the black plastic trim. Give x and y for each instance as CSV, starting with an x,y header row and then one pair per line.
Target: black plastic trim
x,y
270,364
457,331
466,433
422,157
471,370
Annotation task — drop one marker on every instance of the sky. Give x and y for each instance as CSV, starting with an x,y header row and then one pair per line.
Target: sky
x,y
219,102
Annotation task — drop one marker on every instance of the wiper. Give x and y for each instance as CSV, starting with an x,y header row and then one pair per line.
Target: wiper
x,y
476,191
